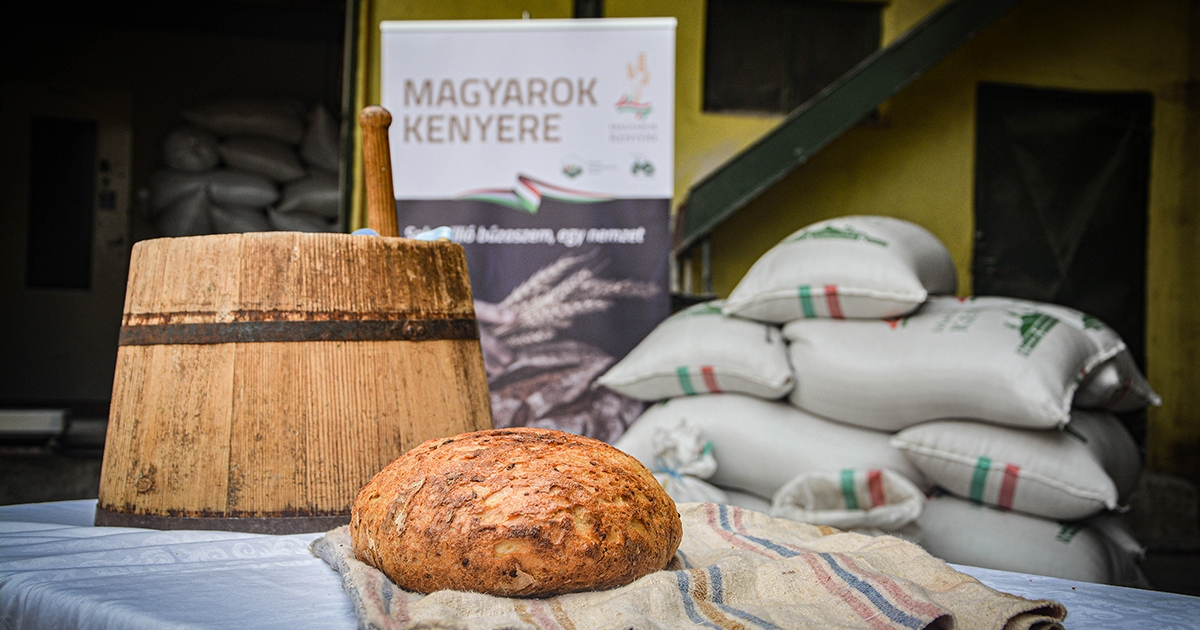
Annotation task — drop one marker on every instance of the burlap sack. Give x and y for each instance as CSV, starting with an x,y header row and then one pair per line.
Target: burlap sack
x,y
734,569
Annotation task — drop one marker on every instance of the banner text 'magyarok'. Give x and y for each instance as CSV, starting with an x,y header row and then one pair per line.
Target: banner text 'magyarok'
x,y
500,93
532,92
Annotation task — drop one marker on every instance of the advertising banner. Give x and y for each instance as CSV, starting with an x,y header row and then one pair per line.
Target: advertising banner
x,y
547,146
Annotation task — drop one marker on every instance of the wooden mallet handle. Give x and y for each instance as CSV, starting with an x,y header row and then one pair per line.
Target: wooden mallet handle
x,y
377,170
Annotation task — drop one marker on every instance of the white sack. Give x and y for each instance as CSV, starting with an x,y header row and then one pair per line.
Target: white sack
x,y
878,501
1118,532
1049,473
1107,341
1110,443
229,187
265,156
235,219
699,350
320,146
191,149
279,119
961,532
1012,366
299,221
169,185
1115,385
852,267
188,215
315,193
747,500
683,459
761,445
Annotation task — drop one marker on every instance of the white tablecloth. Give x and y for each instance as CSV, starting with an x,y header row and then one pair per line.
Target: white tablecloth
x,y
57,571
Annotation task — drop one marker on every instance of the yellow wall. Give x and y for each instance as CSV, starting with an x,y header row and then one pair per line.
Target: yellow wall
x,y
918,163
703,141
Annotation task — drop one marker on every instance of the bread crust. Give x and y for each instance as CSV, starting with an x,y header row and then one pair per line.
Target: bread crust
x,y
515,512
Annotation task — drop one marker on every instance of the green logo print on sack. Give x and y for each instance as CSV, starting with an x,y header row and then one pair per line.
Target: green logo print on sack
x,y
706,308
1033,328
1068,532
829,231
1091,323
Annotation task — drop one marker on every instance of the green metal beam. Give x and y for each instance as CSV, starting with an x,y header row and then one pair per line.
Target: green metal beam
x,y
830,113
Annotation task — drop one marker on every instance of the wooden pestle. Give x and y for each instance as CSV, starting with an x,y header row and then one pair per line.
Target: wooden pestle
x,y
377,170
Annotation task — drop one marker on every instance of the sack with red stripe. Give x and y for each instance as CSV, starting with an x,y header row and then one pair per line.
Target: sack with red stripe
x,y
1075,473
1013,366
962,532
870,501
700,351
760,445
1115,385
852,267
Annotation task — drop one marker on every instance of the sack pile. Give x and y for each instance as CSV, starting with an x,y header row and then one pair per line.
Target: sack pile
x,y
897,388
248,166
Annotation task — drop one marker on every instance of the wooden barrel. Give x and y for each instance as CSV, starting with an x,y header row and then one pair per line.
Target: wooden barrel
x,y
262,379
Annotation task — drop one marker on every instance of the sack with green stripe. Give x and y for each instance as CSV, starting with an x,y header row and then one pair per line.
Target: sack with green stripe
x,y
1116,385
1088,467
701,351
961,532
871,502
851,267
1013,366
760,445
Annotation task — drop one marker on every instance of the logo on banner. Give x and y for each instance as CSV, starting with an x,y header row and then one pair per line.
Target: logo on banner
x,y
646,167
638,74
572,167
527,195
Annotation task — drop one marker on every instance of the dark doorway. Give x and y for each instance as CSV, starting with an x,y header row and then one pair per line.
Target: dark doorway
x,y
62,182
1061,190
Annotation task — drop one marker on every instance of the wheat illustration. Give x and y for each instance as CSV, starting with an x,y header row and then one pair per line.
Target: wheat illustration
x,y
543,278
530,338
555,295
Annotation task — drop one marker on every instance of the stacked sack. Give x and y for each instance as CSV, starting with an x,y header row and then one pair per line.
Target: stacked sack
x,y
1000,403
720,370
248,166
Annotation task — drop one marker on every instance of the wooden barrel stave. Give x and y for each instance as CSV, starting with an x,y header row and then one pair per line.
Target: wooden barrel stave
x,y
247,431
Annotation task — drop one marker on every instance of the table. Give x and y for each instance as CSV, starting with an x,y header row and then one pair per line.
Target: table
x,y
58,571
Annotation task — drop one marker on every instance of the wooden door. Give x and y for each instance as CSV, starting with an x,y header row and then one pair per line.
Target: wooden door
x,y
1061,191
64,243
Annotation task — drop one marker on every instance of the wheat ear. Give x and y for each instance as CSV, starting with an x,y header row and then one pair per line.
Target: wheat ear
x,y
542,279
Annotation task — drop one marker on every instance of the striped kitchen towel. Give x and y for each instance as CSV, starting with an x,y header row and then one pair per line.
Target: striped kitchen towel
x,y
734,569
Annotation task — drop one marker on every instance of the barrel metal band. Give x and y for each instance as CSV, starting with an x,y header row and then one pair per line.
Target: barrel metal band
x,y
254,525
285,331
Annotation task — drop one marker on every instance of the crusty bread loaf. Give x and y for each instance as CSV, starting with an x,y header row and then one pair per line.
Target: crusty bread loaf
x,y
515,512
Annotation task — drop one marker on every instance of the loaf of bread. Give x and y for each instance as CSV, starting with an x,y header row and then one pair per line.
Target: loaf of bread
x,y
515,512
